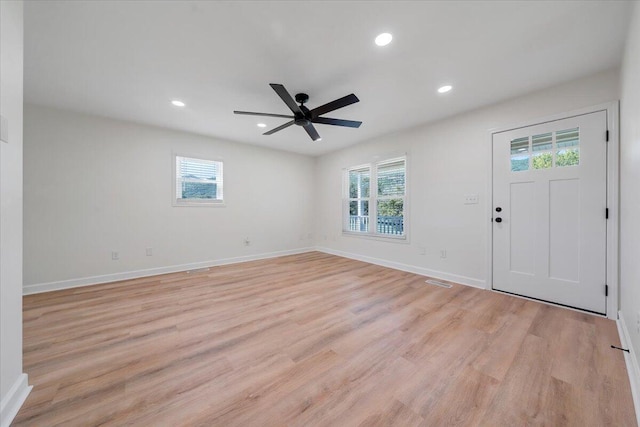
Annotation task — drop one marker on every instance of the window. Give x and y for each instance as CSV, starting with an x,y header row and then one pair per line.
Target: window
x,y
198,182
378,191
542,147
568,144
520,154
359,191
557,149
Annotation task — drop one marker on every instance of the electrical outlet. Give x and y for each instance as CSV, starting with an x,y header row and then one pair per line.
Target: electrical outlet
x,y
422,251
115,256
443,253
149,251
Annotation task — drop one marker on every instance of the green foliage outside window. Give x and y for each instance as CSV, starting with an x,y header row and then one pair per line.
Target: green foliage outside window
x,y
364,208
568,157
542,161
393,207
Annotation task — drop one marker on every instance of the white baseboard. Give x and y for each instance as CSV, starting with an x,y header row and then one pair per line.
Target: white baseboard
x,y
469,281
631,361
14,399
96,280
127,275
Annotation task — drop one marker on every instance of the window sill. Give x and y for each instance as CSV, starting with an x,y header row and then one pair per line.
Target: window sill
x,y
379,237
200,204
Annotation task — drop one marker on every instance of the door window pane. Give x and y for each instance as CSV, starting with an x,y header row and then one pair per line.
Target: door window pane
x,y
520,154
568,147
542,146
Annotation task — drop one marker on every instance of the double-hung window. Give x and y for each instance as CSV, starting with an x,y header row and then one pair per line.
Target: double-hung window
x,y
197,182
375,199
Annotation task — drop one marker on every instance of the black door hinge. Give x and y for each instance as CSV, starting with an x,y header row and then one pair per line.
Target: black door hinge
x,y
606,290
606,213
607,134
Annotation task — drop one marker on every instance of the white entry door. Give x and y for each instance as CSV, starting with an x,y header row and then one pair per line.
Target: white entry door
x,y
549,211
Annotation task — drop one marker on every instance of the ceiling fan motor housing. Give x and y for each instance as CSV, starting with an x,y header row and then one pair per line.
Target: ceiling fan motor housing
x,y
304,118
301,98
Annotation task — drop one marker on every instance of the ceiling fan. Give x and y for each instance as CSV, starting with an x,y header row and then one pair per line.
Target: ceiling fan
x,y
304,117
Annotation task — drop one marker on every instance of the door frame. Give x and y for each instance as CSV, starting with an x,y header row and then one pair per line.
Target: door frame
x,y
613,188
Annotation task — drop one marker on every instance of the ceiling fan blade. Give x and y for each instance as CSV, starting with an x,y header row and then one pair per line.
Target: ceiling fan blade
x,y
334,105
284,126
250,113
336,122
286,97
313,133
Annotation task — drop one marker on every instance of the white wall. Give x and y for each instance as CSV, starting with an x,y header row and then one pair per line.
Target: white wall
x,y
13,383
95,185
447,160
629,180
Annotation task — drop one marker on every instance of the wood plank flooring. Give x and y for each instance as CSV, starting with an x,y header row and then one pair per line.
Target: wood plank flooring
x,y
315,340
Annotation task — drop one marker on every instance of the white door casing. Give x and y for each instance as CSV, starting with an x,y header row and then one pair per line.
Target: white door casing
x,y
551,243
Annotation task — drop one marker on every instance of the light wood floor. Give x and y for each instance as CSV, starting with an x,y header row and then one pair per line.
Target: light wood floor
x,y
315,340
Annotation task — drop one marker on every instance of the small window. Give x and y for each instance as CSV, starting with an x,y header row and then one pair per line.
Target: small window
x,y
542,148
375,199
568,145
547,150
520,154
198,181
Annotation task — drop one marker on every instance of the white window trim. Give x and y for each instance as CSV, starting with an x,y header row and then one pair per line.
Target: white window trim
x,y
373,191
191,202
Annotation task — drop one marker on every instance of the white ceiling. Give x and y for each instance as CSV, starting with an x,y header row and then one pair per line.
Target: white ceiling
x,y
127,60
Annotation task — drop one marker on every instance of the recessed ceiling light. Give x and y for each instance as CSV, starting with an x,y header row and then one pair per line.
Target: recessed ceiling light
x,y
262,125
383,39
445,89
177,103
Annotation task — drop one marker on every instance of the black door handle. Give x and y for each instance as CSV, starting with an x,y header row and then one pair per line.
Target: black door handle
x,y
498,209
498,219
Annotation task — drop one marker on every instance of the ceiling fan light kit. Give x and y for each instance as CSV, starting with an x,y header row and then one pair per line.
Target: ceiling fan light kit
x,y
304,117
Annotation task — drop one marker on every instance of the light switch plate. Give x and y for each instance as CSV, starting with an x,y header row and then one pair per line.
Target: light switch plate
x,y
471,199
4,129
